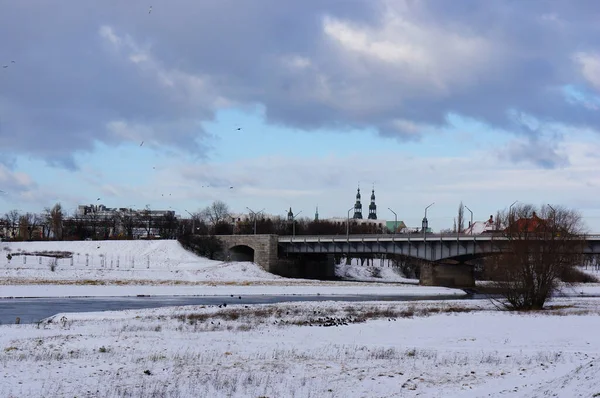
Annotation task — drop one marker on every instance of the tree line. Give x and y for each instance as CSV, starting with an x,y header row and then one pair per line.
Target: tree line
x,y
216,219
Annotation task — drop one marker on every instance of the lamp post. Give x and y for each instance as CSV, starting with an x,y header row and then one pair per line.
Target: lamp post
x,y
348,223
193,221
471,225
255,214
510,217
553,217
395,220
294,221
425,223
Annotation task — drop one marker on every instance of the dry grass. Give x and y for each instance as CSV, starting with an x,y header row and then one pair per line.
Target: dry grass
x,y
299,316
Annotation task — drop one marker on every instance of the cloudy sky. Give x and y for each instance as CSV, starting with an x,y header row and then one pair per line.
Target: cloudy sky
x,y
297,103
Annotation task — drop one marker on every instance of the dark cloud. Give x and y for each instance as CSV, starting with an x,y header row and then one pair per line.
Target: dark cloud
x,y
85,67
543,154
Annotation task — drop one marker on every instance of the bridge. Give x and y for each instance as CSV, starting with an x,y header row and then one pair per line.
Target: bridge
x,y
429,247
313,256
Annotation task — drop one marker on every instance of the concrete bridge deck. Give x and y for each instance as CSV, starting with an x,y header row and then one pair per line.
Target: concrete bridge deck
x,y
430,247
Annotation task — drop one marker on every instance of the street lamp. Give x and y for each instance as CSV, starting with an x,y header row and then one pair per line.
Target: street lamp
x,y
510,217
471,225
193,221
294,221
553,217
348,223
255,214
425,223
395,220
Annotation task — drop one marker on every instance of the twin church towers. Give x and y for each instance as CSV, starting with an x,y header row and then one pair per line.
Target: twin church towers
x,y
358,206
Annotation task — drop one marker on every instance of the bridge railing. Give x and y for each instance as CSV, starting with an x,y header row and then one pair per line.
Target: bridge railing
x,y
403,237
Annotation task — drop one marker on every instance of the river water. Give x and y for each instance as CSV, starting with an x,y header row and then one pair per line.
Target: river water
x,y
32,310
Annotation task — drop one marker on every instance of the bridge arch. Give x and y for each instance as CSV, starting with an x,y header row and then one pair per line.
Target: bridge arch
x,y
260,249
241,253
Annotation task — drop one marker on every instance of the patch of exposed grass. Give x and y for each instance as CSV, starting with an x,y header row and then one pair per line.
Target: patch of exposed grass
x,y
299,316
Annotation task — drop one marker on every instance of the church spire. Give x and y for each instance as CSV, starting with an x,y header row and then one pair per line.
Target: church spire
x,y
317,213
373,206
357,206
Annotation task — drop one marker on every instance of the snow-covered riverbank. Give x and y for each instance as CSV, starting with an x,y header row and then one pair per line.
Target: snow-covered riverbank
x,y
329,349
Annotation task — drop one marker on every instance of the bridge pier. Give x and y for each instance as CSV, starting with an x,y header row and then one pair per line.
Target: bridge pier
x,y
447,275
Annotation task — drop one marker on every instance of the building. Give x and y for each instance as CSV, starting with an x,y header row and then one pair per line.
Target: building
x,y
116,221
357,206
480,227
373,207
531,224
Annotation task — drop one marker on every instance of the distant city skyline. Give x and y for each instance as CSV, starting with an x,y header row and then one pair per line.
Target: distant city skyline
x,y
430,101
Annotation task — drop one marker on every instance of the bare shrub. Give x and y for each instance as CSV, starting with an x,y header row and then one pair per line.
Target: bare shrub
x,y
540,247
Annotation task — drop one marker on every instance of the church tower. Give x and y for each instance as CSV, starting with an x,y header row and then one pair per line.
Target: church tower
x,y
373,207
290,215
357,206
317,214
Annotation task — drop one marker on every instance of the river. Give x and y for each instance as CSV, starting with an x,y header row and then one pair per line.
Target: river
x,y
32,310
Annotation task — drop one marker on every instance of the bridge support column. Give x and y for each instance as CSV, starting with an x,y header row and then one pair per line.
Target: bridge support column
x,y
447,275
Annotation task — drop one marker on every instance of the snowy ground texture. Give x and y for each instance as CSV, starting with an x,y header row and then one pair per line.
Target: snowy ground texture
x,y
328,349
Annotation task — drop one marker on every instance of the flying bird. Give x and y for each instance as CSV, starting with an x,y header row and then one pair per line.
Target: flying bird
x,y
5,66
230,187
150,10
239,128
142,143
98,199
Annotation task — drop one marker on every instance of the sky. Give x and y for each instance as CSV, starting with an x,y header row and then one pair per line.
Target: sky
x,y
269,105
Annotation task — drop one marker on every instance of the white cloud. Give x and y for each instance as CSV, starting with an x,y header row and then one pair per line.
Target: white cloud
x,y
589,64
421,54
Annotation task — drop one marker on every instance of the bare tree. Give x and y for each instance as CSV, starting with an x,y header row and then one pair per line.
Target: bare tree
x,y
54,220
498,222
216,213
542,246
28,224
461,218
12,220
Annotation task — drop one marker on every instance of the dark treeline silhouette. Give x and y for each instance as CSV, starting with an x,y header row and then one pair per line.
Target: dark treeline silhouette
x,y
55,224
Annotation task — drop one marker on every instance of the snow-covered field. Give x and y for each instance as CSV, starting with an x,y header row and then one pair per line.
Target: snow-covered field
x,y
328,349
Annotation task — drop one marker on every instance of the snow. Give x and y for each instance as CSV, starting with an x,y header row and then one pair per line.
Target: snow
x,y
271,351
117,260
379,271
